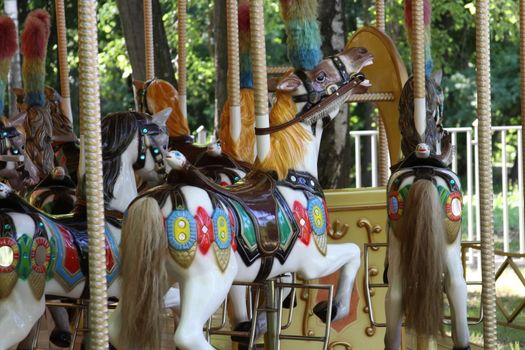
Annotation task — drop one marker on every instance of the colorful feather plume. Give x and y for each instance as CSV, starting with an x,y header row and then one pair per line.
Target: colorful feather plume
x,y
34,49
246,76
304,36
8,46
427,18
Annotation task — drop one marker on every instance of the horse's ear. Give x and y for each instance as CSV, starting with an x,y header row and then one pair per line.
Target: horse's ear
x,y
438,76
18,119
160,118
139,84
289,83
18,91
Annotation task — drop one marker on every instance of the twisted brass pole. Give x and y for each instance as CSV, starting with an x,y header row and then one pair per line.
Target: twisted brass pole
x,y
148,40
418,66
181,27
62,58
382,140
90,118
258,49
233,54
485,172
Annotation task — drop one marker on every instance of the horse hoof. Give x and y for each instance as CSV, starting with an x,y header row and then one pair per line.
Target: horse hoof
x,y
321,311
62,339
288,301
242,327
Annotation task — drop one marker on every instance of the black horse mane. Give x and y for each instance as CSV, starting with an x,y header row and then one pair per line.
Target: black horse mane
x,y
118,131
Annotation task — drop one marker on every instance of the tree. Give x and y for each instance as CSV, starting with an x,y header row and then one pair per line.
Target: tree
x,y
132,21
334,165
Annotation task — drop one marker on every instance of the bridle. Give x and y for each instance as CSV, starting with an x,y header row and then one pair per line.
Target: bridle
x,y
143,98
147,143
316,100
16,156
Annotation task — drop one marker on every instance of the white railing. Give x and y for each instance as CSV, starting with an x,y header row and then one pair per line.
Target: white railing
x,y
470,160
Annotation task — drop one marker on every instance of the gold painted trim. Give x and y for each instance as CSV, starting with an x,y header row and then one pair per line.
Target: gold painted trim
x,y
336,209
346,345
369,230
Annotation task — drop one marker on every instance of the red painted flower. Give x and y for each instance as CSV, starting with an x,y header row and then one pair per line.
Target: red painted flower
x,y
232,226
301,216
204,230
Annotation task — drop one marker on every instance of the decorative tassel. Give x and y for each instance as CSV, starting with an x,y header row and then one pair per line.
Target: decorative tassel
x,y
246,76
8,45
34,50
304,36
427,19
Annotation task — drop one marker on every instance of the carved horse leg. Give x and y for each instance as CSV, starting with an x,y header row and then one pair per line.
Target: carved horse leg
x,y
339,256
394,298
201,295
21,306
456,290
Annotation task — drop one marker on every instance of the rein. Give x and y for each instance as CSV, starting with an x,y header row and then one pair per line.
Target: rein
x,y
143,100
324,98
149,144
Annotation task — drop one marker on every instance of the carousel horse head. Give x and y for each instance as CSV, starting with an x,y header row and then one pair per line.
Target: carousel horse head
x,y
62,126
155,95
176,160
306,101
141,138
214,149
14,163
435,136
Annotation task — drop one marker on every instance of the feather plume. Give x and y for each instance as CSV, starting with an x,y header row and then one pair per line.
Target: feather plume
x,y
427,19
8,46
34,49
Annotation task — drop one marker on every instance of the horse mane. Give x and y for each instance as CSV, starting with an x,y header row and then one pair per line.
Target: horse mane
x,y
39,130
160,95
118,130
243,149
61,124
409,135
287,148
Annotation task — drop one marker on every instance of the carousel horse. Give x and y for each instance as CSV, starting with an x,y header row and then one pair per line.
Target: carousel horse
x,y
424,216
198,233
45,255
156,94
15,166
65,143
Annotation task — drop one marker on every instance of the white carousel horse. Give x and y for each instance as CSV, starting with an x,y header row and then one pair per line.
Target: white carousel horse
x,y
205,236
424,212
40,254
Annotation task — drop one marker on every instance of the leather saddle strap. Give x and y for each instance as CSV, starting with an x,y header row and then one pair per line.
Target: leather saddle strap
x,y
7,226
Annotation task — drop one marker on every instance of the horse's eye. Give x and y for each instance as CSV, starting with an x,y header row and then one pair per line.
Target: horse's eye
x,y
321,77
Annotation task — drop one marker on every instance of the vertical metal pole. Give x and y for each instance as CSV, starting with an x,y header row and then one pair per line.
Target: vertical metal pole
x,y
272,338
485,172
90,119
455,159
373,152
520,191
504,191
470,216
148,40
181,28
62,59
357,161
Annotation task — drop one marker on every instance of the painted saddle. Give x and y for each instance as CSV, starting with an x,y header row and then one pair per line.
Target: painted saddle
x,y
261,222
59,248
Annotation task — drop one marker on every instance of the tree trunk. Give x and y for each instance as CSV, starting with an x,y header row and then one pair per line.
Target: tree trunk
x,y
334,162
221,58
15,73
132,20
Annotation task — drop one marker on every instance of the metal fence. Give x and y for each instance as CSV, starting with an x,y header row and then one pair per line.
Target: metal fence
x,y
507,155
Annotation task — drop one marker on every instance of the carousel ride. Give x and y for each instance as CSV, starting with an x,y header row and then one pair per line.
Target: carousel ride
x,y
267,220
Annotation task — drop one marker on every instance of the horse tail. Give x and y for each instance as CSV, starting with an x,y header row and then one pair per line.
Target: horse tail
x,y
144,278
422,254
